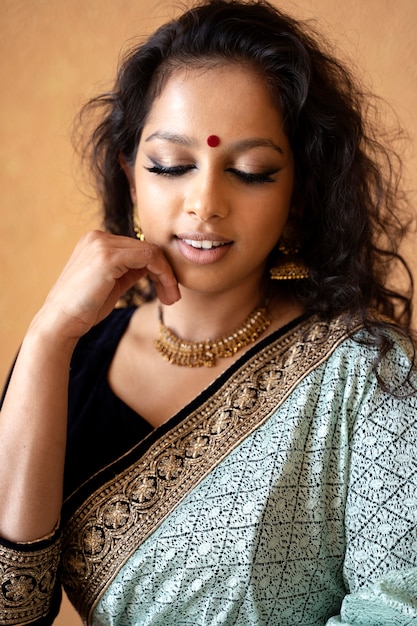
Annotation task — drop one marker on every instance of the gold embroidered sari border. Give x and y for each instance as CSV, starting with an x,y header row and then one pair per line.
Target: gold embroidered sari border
x,y
27,580
119,516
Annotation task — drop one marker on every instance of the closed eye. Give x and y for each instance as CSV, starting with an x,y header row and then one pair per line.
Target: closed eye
x,y
245,177
253,179
175,170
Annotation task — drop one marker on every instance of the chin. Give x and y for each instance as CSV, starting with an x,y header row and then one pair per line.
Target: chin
x,y
203,287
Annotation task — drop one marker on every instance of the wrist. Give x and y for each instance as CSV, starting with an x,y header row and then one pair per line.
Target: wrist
x,y
51,335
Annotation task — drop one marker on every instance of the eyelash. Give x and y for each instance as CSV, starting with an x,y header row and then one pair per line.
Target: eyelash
x,y
245,177
253,179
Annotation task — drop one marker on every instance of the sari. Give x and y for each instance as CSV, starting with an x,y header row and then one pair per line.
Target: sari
x,y
285,493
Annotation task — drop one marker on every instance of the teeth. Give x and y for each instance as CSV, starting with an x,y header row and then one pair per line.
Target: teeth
x,y
205,244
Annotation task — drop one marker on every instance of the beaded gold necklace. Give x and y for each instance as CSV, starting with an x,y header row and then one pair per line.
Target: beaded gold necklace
x,y
204,353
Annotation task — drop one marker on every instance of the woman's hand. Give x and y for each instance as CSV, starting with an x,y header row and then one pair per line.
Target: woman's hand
x,y
101,269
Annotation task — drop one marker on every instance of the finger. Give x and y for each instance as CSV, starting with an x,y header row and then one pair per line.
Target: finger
x,y
151,260
161,273
127,260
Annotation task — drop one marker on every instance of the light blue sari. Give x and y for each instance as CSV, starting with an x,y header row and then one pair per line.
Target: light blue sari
x,y
287,495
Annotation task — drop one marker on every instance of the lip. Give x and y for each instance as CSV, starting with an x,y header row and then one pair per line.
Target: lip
x,y
203,256
198,236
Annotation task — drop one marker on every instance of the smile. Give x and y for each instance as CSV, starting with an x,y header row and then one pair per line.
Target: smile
x,y
204,244
203,249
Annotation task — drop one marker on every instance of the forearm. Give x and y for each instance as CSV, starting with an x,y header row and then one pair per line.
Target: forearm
x,y
33,437
34,415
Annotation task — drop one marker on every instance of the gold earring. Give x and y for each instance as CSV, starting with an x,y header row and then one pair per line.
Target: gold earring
x,y
289,267
136,226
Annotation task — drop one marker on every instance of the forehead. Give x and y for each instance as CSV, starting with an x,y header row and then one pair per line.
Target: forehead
x,y
231,98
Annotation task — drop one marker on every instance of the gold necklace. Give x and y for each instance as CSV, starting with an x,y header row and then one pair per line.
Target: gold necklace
x,y
204,353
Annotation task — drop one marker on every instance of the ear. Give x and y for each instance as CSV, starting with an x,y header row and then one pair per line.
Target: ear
x,y
129,171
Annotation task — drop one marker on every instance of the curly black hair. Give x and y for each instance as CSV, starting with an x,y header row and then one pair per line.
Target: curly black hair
x,y
352,216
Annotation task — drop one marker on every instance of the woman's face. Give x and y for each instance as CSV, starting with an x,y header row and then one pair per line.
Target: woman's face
x,y
217,211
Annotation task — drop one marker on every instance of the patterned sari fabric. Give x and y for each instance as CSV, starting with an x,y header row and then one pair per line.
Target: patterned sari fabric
x,y
285,494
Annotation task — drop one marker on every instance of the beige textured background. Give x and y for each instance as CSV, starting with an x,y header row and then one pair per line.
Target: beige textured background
x,y
54,54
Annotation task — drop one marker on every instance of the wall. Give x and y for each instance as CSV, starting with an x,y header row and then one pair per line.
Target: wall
x,y
54,54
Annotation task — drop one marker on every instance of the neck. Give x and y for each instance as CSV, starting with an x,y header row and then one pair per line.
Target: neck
x,y
203,316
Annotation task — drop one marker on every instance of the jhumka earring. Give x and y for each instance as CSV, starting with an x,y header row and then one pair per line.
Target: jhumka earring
x,y
290,266
136,226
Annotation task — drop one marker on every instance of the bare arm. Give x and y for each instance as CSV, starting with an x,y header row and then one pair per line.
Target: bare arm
x,y
34,414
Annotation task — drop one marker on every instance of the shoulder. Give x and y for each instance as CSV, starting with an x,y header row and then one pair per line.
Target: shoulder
x,y
370,391
376,367
385,342
379,355
392,352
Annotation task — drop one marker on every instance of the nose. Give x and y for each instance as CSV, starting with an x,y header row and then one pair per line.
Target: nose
x,y
206,197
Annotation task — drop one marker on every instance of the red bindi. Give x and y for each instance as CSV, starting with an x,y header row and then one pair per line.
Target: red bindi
x,y
213,141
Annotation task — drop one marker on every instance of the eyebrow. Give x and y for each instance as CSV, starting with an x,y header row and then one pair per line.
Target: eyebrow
x,y
241,145
172,137
247,144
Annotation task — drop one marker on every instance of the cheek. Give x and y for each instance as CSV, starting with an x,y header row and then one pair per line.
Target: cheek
x,y
150,200
156,216
268,222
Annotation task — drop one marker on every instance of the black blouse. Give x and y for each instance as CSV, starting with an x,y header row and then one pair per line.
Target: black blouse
x,y
100,426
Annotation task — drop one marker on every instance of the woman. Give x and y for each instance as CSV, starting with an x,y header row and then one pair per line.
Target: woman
x,y
266,475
